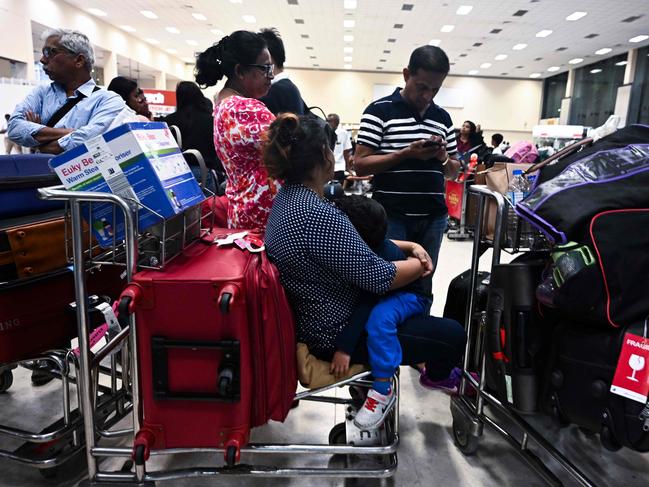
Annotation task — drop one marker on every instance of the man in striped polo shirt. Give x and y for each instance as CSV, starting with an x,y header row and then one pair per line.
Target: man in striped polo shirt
x,y
408,142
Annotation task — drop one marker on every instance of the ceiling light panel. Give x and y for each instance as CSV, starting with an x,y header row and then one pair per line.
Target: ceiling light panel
x,y
500,57
172,30
97,12
447,28
576,16
249,19
519,47
148,14
543,33
602,51
434,42
473,71
535,75
199,17
348,24
485,65
348,38
464,9
576,60
554,69
639,38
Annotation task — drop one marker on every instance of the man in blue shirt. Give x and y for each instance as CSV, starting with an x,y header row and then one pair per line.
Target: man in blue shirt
x,y
71,109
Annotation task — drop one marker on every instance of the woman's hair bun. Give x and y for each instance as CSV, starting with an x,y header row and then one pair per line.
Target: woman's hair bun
x,y
209,64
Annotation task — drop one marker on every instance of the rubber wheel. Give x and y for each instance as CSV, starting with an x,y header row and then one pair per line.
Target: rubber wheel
x,y
6,379
231,456
139,455
338,435
358,395
466,442
608,440
224,303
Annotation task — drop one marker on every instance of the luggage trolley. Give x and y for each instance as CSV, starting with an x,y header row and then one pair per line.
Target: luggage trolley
x,y
346,442
469,415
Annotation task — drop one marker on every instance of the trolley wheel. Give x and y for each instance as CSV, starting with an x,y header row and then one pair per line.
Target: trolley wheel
x,y
338,435
465,441
358,395
608,440
6,379
231,456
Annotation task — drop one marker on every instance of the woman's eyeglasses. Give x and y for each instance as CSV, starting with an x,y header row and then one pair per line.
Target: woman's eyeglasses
x,y
266,68
50,52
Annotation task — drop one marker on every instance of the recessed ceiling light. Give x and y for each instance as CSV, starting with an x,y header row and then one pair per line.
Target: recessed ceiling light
x,y
464,9
501,57
348,66
576,60
148,14
127,28
447,28
485,65
350,4
595,71
543,33
172,30
191,42
473,71
249,19
602,51
621,63
172,51
639,38
553,69
199,16
97,12
217,32
576,16
348,50
349,23
348,38
434,42
535,75
236,1
347,59
519,47
150,40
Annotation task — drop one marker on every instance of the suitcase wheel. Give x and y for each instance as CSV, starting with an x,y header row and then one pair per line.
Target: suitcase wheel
x,y
338,434
6,379
224,302
231,456
139,456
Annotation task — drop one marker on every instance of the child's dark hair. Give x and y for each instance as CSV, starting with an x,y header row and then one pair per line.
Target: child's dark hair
x,y
275,46
241,47
296,145
367,216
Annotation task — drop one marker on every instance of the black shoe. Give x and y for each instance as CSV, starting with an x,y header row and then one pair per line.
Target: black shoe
x,y
42,373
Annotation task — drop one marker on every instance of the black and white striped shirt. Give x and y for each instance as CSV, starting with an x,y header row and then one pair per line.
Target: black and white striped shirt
x,y
412,187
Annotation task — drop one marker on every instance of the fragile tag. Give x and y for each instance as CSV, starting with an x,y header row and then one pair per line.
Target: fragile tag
x,y
631,378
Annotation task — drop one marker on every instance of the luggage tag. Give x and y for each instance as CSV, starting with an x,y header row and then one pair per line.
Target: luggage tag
x,y
631,378
229,239
102,334
248,242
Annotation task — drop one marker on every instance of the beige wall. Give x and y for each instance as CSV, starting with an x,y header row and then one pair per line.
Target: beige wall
x,y
511,107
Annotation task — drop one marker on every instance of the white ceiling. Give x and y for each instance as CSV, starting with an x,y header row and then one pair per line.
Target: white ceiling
x,y
379,45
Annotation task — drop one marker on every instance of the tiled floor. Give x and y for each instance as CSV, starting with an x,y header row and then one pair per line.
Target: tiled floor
x,y
427,455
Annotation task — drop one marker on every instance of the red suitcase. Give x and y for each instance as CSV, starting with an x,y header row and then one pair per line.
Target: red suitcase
x,y
216,345
34,312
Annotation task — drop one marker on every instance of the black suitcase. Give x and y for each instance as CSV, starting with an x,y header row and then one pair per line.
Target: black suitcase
x,y
518,333
580,374
457,300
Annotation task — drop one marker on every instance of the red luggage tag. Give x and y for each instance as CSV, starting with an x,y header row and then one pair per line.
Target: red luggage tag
x,y
631,378
248,242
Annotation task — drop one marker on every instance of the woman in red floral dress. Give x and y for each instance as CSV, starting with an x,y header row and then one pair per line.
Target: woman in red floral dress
x,y
240,121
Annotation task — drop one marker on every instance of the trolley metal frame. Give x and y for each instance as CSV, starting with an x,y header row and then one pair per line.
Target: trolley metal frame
x,y
469,415
85,379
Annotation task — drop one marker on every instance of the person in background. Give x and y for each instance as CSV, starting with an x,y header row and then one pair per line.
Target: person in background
x,y
324,264
411,158
143,105
128,90
283,95
240,121
497,144
70,110
10,145
196,125
469,140
343,149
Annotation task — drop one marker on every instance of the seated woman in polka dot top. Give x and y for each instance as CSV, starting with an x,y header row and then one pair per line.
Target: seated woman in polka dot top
x,y
323,262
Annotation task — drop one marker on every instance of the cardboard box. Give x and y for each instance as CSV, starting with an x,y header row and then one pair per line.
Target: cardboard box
x,y
140,162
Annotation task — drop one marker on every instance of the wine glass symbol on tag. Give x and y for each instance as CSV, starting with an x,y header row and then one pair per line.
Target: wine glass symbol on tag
x,y
637,363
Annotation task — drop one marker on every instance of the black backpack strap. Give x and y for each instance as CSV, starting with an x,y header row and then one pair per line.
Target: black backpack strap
x,y
66,107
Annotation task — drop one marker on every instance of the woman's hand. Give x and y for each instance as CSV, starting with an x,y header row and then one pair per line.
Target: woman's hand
x,y
420,253
339,364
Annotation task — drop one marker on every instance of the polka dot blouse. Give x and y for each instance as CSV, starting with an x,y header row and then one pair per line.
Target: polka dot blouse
x,y
323,263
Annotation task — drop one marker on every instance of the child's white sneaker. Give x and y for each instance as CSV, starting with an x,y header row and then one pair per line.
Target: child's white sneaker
x,y
375,408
